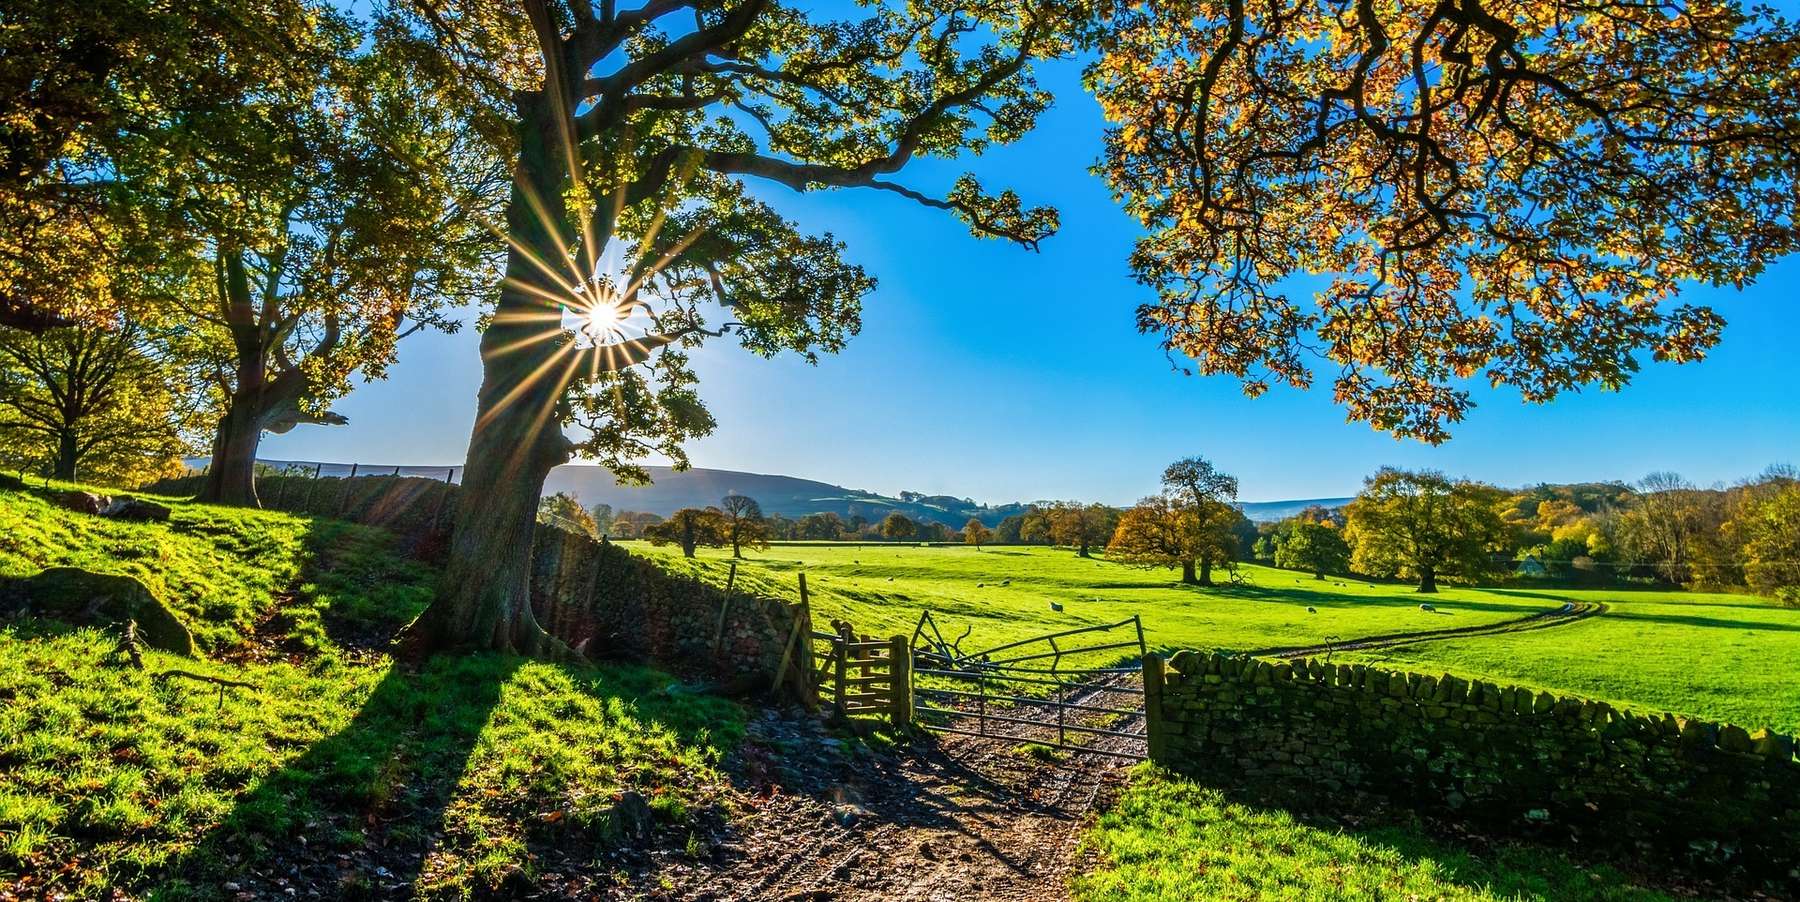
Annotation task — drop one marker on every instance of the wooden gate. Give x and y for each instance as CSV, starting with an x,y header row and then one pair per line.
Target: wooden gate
x,y
862,675
1042,691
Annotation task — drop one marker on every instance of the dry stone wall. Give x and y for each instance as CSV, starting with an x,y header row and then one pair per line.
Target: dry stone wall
x,y
599,597
593,595
1711,798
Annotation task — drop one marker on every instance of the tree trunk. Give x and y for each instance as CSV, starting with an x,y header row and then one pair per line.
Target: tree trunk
x,y
1083,552
68,454
484,601
1205,572
1428,580
231,475
1187,573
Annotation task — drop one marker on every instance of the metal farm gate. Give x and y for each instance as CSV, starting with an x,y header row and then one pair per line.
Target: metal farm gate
x,y
1045,690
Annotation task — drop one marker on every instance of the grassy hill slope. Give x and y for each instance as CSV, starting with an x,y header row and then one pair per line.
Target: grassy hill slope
x,y
336,770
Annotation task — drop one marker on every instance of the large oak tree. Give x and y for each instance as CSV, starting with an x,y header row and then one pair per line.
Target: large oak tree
x,y
632,132
1515,191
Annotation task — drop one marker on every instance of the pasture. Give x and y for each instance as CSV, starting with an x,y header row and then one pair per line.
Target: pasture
x,y
1717,656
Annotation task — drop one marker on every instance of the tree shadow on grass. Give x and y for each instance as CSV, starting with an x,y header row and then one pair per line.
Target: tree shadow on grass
x,y
357,812
441,781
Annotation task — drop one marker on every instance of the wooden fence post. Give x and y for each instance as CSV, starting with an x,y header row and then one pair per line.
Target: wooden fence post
x,y
845,636
900,672
344,496
725,607
1153,713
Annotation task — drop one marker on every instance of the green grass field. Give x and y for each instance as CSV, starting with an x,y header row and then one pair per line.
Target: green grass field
x,y
115,777
111,776
1170,839
1732,658
1723,657
1005,594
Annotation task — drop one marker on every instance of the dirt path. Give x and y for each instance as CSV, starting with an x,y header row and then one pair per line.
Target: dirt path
x,y
945,818
1570,613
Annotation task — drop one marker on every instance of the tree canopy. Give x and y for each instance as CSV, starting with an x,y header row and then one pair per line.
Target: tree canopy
x,y
744,524
1513,192
690,528
1318,548
1423,524
898,526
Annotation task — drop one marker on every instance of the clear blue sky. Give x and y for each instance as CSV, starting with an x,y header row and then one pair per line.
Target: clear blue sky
x,y
991,372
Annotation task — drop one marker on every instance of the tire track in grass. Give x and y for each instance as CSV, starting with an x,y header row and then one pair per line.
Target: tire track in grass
x,y
1570,613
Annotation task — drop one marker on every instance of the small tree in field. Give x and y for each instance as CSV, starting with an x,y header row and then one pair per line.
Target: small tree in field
x,y
1158,532
974,533
690,527
745,526
897,526
1424,524
1315,547
1207,495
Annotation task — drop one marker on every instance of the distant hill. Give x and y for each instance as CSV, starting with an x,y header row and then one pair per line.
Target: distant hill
x,y
1271,511
671,490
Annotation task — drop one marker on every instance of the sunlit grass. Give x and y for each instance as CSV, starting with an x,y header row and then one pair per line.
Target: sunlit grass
x,y
1171,840
115,777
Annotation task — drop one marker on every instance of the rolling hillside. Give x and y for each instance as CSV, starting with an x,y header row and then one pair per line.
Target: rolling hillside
x,y
785,495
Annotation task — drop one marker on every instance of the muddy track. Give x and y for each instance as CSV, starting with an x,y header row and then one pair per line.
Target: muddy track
x,y
1570,613
945,817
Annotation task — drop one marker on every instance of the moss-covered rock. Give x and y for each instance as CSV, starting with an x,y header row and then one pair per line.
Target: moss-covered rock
x,y
85,598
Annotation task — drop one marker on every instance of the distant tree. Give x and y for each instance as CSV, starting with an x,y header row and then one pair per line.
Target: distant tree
x,y
603,515
1424,524
826,526
744,524
1771,531
1313,547
629,524
1007,531
782,528
897,526
1209,496
1081,526
1160,531
690,527
1036,528
930,531
565,511
974,533
1663,524
93,403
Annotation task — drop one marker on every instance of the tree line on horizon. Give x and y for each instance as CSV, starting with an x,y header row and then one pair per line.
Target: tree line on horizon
x,y
1420,525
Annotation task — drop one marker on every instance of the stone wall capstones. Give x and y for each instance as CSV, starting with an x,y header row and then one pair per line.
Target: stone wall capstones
x,y
1711,798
